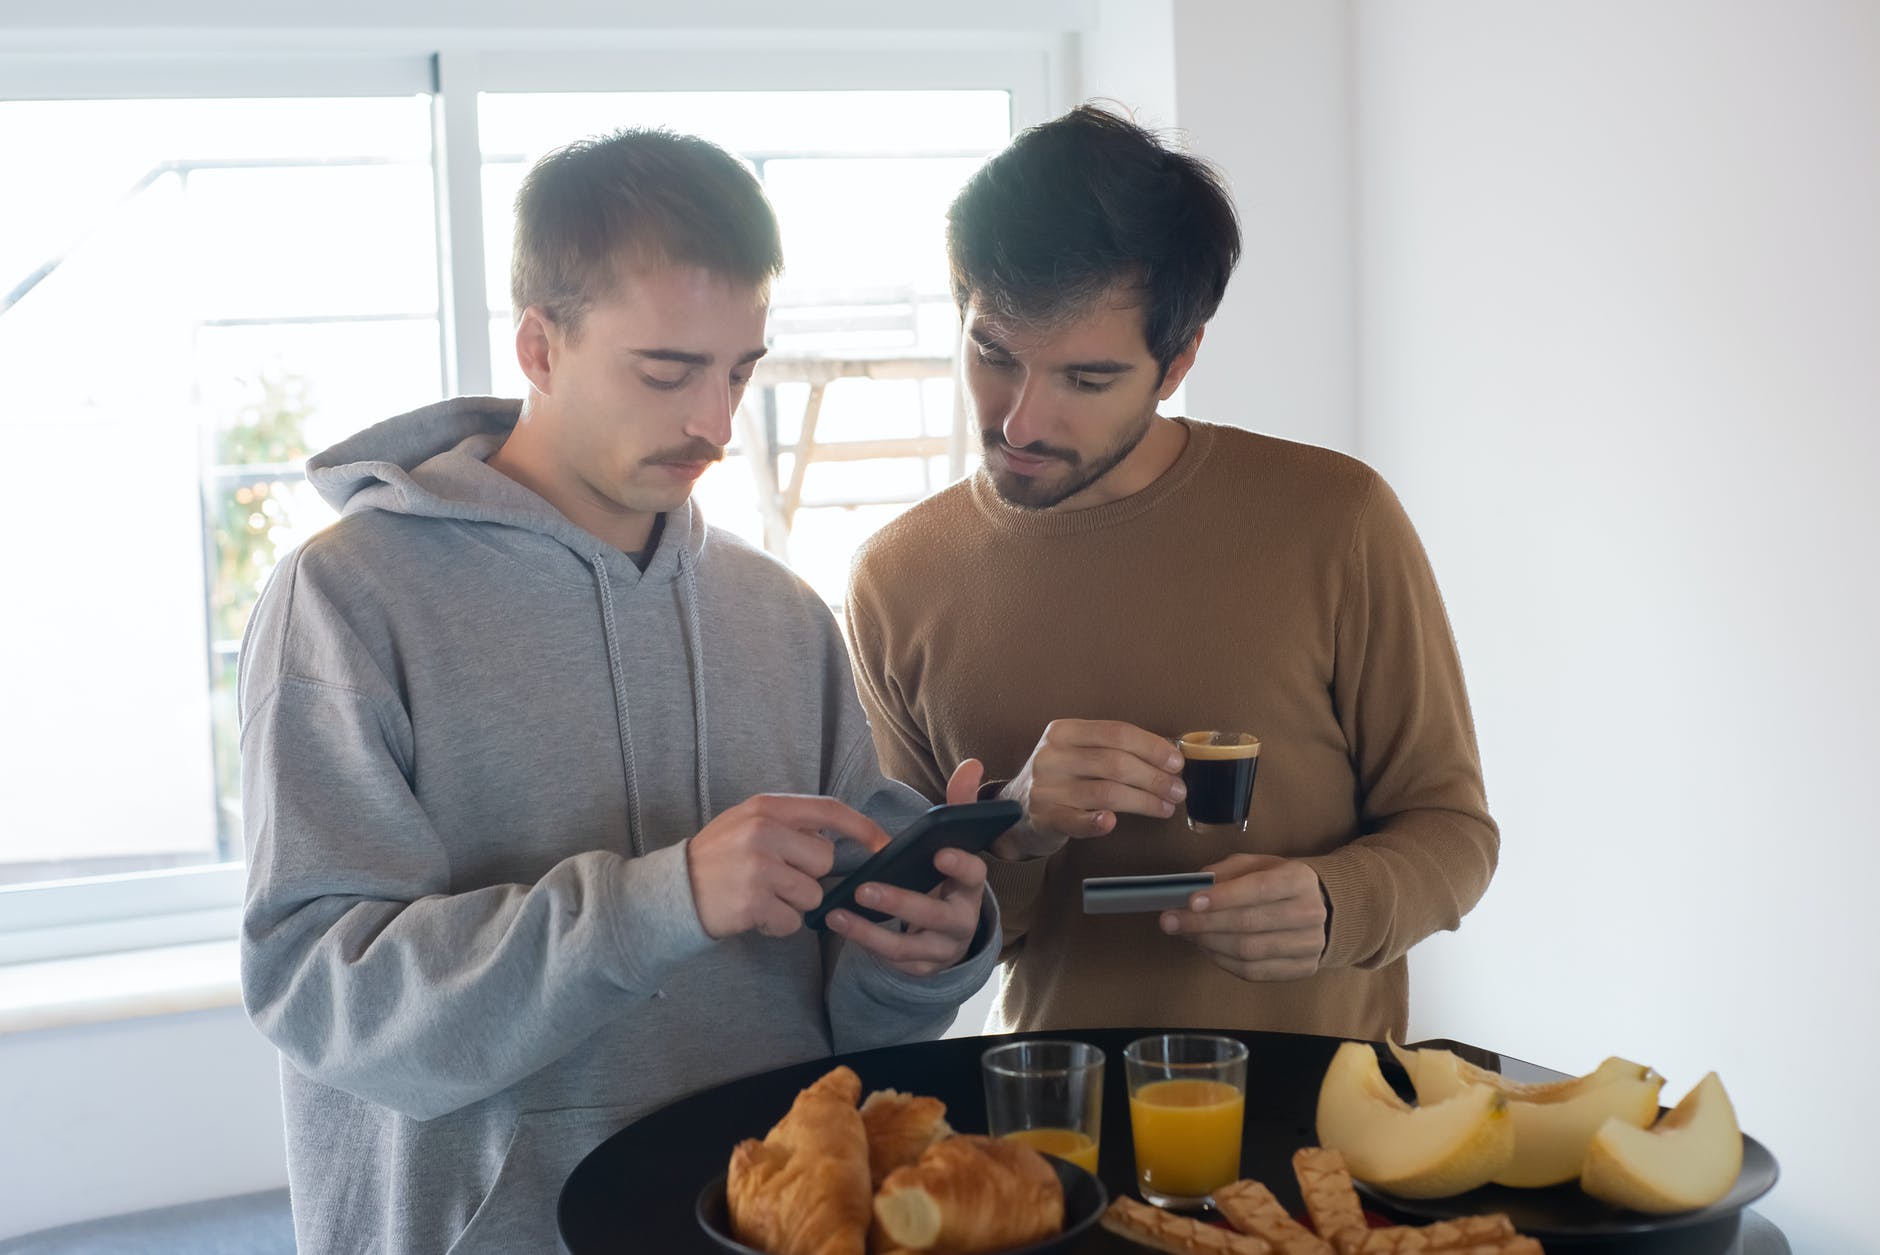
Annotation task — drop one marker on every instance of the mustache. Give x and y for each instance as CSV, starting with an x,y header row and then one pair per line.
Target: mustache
x,y
691,451
993,439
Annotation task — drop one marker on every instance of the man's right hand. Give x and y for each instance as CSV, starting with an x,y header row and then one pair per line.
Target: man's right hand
x,y
756,866
1082,775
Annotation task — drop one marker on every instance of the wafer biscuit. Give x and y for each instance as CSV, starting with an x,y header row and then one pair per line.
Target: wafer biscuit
x,y
1331,1200
1515,1245
1447,1237
1180,1235
1251,1208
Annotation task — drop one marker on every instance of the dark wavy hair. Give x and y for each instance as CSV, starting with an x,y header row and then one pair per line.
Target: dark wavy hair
x,y
643,196
1083,204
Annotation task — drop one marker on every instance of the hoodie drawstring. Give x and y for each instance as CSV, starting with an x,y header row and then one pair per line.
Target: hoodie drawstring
x,y
619,674
695,648
695,659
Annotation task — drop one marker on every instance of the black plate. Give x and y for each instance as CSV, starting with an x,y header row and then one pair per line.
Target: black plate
x,y
1084,1201
1565,1211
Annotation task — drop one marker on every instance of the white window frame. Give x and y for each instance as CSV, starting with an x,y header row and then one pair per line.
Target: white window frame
x,y
107,914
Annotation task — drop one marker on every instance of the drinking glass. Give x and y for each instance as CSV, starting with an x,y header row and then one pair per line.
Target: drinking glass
x,y
1187,1101
1047,1094
1218,770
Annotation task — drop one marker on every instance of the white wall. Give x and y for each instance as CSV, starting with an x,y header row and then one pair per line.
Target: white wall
x,y
1620,354
1128,57
1263,89
104,1118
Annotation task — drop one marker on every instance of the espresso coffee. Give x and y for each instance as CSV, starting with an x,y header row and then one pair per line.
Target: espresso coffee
x,y
1218,770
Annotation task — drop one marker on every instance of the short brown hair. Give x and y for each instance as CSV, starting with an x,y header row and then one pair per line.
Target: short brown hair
x,y
645,195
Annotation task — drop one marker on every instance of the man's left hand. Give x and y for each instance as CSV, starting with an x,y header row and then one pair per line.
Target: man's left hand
x,y
1264,919
940,925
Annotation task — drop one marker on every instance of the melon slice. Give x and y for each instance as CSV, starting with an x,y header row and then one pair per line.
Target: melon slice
x,y
1689,1159
1554,1121
1427,1151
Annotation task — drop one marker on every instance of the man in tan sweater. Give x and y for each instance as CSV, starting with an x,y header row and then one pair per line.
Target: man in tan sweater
x,y
1112,578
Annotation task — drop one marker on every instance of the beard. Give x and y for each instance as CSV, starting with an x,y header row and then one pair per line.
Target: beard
x,y
1038,493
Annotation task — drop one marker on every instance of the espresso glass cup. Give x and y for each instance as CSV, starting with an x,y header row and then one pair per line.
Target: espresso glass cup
x,y
1218,770
1047,1094
1187,1103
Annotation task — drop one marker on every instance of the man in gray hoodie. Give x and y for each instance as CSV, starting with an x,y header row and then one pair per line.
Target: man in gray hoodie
x,y
539,771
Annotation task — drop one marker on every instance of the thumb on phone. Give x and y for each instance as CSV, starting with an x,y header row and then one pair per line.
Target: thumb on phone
x,y
964,784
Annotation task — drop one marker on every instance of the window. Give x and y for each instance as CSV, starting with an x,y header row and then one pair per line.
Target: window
x,y
225,267
196,294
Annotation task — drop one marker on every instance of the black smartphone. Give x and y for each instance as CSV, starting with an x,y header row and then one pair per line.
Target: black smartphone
x,y
907,861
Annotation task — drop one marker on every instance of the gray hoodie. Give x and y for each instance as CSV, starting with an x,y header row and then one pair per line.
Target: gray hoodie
x,y
475,741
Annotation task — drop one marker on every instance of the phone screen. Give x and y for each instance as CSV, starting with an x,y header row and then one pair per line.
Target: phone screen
x,y
907,861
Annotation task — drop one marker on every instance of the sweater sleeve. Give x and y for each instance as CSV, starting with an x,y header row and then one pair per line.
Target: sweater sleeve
x,y
358,961
1428,845
907,754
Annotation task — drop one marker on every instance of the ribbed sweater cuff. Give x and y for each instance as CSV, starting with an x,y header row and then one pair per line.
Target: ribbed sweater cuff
x,y
1347,884
1015,880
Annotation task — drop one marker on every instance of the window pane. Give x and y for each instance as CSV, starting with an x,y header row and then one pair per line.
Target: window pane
x,y
316,232
866,222
860,182
195,296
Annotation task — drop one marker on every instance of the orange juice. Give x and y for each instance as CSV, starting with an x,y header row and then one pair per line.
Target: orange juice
x,y
1072,1144
1187,1136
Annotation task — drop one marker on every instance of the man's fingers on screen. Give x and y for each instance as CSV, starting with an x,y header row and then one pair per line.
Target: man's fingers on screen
x,y
808,853
823,814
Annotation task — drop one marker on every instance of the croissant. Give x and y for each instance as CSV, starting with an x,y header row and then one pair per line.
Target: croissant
x,y
968,1195
900,1126
804,1189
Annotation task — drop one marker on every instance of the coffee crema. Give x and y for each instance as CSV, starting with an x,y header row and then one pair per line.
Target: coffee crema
x,y
1218,769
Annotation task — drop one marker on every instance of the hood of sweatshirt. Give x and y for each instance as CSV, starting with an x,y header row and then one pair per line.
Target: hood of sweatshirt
x,y
434,463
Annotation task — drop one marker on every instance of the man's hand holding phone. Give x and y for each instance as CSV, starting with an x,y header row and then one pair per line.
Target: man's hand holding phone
x,y
757,868
940,924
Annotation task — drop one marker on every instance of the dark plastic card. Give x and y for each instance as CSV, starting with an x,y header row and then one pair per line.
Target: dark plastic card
x,y
1124,895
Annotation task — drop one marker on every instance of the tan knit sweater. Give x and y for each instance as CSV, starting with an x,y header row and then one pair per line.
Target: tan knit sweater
x,y
1260,585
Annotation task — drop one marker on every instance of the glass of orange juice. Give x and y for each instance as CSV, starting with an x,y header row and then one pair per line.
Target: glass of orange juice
x,y
1047,1094
1187,1100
